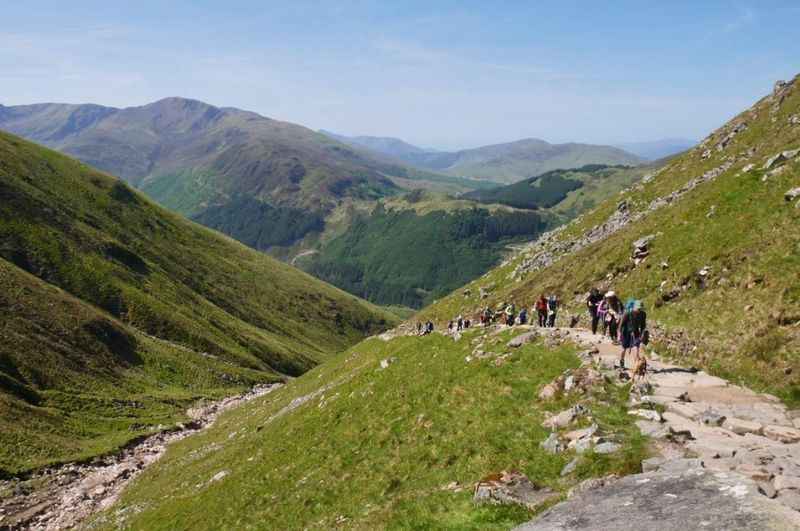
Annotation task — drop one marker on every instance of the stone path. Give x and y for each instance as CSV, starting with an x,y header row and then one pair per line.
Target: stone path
x,y
723,435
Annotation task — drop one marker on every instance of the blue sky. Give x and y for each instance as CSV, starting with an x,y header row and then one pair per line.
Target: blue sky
x,y
438,74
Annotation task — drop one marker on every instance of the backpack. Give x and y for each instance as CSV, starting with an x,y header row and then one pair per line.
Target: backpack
x,y
634,304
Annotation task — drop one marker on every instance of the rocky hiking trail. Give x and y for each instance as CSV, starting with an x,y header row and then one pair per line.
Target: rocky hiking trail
x,y
728,457
64,496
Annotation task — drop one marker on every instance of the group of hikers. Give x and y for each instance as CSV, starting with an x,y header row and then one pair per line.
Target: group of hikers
x,y
423,329
545,308
625,324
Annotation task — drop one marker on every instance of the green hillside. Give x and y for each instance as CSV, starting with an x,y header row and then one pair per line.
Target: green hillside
x,y
413,251
418,247
118,313
723,270
566,192
361,445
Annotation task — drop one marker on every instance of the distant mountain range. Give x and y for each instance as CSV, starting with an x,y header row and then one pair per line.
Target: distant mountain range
x,y
658,149
501,163
293,192
193,157
393,147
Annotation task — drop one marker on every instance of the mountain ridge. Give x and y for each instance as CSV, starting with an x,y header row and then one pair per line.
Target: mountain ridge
x,y
506,162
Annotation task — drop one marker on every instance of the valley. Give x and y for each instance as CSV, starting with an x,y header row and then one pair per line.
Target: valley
x,y
408,425
287,191
213,318
117,314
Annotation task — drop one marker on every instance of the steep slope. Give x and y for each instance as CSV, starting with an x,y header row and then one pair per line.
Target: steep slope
x,y
658,149
721,252
117,313
510,162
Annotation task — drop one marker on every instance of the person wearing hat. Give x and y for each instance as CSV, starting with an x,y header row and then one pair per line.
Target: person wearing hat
x,y
612,311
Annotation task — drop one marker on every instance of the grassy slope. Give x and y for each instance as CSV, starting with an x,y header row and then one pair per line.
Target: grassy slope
x,y
135,271
375,448
413,251
750,241
566,193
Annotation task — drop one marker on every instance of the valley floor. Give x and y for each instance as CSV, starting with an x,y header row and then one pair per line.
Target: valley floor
x,y
64,496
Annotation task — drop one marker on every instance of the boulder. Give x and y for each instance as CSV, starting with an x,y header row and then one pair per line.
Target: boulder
x,y
583,445
565,418
511,488
792,194
754,472
570,467
580,434
552,444
607,448
591,484
523,339
780,158
679,466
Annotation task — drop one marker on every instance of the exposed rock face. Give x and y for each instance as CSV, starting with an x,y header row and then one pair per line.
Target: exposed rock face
x,y
669,501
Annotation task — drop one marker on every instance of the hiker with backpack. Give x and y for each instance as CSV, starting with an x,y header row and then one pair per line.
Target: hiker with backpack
x,y
522,318
593,303
632,330
486,316
612,314
541,310
510,312
552,311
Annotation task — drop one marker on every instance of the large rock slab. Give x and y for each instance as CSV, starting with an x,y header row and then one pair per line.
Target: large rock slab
x,y
695,499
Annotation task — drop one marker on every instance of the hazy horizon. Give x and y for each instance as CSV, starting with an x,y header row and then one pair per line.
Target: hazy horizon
x,y
449,76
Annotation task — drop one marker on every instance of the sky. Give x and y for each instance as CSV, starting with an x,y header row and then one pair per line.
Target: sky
x,y
438,74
